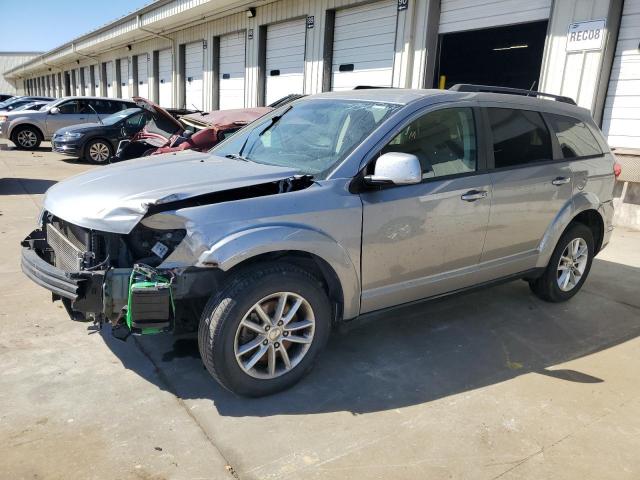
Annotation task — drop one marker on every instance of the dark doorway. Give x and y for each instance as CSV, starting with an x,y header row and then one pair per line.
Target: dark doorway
x,y
503,56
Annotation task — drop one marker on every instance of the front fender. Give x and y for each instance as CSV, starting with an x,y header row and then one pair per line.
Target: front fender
x,y
578,203
241,246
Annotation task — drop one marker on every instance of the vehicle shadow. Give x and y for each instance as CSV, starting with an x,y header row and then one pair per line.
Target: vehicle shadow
x,y
422,353
22,186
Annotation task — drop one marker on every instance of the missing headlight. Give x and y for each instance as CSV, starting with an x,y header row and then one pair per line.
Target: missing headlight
x,y
152,246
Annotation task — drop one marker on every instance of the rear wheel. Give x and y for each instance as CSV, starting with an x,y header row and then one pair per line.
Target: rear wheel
x,y
262,333
26,138
568,267
98,152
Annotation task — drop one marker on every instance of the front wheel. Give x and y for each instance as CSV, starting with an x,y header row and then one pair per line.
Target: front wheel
x,y
98,152
568,267
26,138
262,333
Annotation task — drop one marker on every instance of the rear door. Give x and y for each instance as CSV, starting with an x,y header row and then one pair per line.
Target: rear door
x,y
285,59
363,45
232,66
529,187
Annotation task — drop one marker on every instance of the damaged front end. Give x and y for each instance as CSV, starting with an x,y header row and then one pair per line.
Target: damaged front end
x,y
115,278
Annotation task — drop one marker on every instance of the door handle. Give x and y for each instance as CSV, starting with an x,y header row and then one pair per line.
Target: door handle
x,y
473,195
561,180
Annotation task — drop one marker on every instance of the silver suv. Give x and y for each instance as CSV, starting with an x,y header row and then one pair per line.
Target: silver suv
x,y
27,129
330,208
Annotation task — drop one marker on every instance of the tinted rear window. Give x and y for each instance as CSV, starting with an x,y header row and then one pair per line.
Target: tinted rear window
x,y
574,137
519,137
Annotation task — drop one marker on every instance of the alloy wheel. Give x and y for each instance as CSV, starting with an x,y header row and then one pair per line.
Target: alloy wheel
x,y
572,264
27,138
99,152
274,335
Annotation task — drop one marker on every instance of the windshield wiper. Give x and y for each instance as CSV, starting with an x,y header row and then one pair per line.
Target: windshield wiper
x,y
275,119
235,156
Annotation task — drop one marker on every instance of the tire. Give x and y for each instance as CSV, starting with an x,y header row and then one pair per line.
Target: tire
x,y
221,335
98,151
26,138
556,285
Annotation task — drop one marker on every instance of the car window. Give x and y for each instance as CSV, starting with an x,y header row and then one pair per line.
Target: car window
x,y
135,121
69,107
519,137
574,137
444,141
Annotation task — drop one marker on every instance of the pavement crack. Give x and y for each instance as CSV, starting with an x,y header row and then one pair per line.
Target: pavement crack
x,y
170,388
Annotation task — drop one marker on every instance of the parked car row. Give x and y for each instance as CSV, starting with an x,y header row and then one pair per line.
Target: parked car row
x,y
325,209
103,130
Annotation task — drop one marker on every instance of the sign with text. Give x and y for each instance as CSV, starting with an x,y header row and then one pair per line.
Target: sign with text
x,y
585,36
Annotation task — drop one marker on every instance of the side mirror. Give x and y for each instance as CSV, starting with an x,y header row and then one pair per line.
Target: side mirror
x,y
396,168
54,110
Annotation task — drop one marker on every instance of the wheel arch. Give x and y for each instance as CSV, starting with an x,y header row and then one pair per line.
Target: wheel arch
x,y
293,244
19,126
584,208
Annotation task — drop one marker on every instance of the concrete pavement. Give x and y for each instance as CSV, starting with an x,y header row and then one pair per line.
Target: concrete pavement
x,y
492,384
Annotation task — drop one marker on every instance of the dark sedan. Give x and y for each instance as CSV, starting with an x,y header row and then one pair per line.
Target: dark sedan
x,y
97,142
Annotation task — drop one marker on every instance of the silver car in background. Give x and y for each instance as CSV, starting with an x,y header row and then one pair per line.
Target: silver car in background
x,y
330,208
27,129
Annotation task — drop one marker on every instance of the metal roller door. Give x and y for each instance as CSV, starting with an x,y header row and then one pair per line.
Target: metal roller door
x,y
143,75
363,46
110,90
124,78
86,81
76,82
460,15
193,67
285,59
232,65
165,75
621,120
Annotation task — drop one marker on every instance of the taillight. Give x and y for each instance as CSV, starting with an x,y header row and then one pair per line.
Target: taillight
x,y
617,169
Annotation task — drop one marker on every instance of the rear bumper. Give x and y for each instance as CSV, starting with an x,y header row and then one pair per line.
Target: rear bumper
x,y
607,212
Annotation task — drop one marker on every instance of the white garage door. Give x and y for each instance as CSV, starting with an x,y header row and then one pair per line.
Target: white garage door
x,y
621,120
363,46
124,78
110,89
460,15
285,59
143,75
165,72
232,64
77,82
193,67
86,81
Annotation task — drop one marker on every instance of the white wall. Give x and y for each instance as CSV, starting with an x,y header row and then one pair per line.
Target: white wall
x,y
9,60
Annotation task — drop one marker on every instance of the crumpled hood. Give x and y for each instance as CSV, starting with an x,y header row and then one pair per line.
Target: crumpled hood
x,y
116,197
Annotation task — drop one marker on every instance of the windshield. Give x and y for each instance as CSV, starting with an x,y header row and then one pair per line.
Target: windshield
x,y
311,136
10,101
121,115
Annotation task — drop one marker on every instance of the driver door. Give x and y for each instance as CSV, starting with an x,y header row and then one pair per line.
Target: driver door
x,y
70,113
422,240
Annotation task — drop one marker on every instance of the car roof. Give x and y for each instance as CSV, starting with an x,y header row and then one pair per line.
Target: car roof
x,y
404,96
80,97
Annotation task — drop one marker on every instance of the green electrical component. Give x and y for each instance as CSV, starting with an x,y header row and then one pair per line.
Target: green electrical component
x,y
150,306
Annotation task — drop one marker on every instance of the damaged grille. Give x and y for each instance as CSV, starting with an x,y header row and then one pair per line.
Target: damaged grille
x,y
66,254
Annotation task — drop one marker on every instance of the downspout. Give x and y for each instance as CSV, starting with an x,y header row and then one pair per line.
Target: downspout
x,y
174,59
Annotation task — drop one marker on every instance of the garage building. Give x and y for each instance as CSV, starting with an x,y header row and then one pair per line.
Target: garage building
x,y
209,54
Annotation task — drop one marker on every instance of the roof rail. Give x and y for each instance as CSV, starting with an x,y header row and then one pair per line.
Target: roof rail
x,y
368,87
467,87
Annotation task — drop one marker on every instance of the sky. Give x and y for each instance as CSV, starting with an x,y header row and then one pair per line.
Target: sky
x,y
42,25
